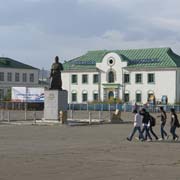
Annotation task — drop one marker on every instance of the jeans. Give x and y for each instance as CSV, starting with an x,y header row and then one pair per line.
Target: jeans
x,y
163,132
134,131
145,128
152,132
173,132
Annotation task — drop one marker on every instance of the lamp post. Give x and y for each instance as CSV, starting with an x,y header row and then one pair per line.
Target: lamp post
x,y
42,75
99,84
69,84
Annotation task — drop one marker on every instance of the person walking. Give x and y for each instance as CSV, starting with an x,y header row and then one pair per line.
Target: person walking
x,y
163,123
151,124
137,126
174,124
145,122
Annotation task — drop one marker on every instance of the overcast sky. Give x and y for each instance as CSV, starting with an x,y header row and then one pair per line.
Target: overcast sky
x,y
34,31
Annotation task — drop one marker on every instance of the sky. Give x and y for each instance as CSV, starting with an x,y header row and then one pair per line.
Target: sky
x,y
35,31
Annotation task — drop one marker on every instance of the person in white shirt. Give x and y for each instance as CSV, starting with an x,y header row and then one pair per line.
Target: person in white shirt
x,y
137,126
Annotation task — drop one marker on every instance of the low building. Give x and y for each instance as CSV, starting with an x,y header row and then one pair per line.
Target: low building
x,y
134,75
14,73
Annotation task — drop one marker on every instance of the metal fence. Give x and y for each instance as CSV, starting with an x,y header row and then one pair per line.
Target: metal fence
x,y
121,107
7,105
85,107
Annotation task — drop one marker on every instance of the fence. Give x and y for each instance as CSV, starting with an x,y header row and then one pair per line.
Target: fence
x,y
21,106
20,115
85,107
121,107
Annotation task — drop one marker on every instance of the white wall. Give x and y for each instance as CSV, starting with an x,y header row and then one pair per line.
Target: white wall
x,y
165,84
5,85
178,86
79,87
104,67
165,81
21,71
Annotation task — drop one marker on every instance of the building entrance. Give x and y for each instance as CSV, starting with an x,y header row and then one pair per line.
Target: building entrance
x,y
111,95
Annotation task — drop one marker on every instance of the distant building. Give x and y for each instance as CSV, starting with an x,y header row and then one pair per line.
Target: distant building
x,y
14,73
134,75
44,78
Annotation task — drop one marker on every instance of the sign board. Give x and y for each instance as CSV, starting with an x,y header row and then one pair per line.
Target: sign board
x,y
27,94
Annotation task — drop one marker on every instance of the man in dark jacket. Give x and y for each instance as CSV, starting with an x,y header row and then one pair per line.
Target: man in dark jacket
x,y
174,124
145,122
163,123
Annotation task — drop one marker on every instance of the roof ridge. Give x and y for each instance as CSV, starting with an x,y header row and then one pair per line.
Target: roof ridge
x,y
10,61
175,57
146,57
113,50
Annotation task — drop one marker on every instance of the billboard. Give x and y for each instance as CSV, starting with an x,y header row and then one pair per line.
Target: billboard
x,y
27,94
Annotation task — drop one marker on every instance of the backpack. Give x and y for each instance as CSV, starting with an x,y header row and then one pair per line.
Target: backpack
x,y
177,122
152,121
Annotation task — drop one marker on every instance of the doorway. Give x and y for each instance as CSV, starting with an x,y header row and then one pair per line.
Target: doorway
x,y
111,95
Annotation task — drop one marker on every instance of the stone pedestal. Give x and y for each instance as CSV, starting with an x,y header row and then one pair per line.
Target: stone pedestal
x,y
54,102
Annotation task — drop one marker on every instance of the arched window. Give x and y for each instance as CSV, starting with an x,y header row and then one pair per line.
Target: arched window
x,y
111,77
84,96
151,97
95,95
138,96
1,94
74,96
126,96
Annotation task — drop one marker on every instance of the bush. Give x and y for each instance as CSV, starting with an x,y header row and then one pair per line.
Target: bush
x,y
109,101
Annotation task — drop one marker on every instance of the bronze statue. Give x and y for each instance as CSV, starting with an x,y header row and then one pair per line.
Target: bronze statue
x,y
55,75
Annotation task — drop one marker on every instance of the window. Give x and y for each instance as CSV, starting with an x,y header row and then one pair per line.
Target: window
x,y
17,77
151,78
74,97
1,94
111,61
9,76
95,96
111,77
126,78
126,97
138,97
151,97
95,78
24,77
74,79
138,78
1,76
84,97
84,78
31,77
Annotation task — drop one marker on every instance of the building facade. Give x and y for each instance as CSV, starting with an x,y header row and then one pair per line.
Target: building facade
x,y
14,73
134,75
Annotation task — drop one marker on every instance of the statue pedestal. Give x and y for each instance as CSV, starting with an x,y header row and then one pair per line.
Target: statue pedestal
x,y
54,102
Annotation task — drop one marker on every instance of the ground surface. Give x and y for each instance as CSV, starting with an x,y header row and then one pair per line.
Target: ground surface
x,y
98,152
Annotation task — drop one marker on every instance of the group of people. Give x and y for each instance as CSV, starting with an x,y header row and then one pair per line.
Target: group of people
x,y
144,123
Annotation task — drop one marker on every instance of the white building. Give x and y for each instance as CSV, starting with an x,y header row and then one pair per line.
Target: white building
x,y
134,75
14,73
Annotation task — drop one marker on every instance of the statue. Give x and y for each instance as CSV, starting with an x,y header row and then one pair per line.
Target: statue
x,y
55,75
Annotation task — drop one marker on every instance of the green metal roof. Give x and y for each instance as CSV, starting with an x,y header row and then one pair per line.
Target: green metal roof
x,y
138,58
10,63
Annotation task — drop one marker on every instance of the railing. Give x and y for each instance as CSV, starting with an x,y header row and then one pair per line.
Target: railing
x,y
7,105
85,107
121,107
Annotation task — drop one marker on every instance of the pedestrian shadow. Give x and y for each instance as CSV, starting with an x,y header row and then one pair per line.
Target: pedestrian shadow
x,y
166,141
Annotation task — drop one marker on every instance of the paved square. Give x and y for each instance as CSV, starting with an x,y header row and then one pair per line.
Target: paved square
x,y
97,152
